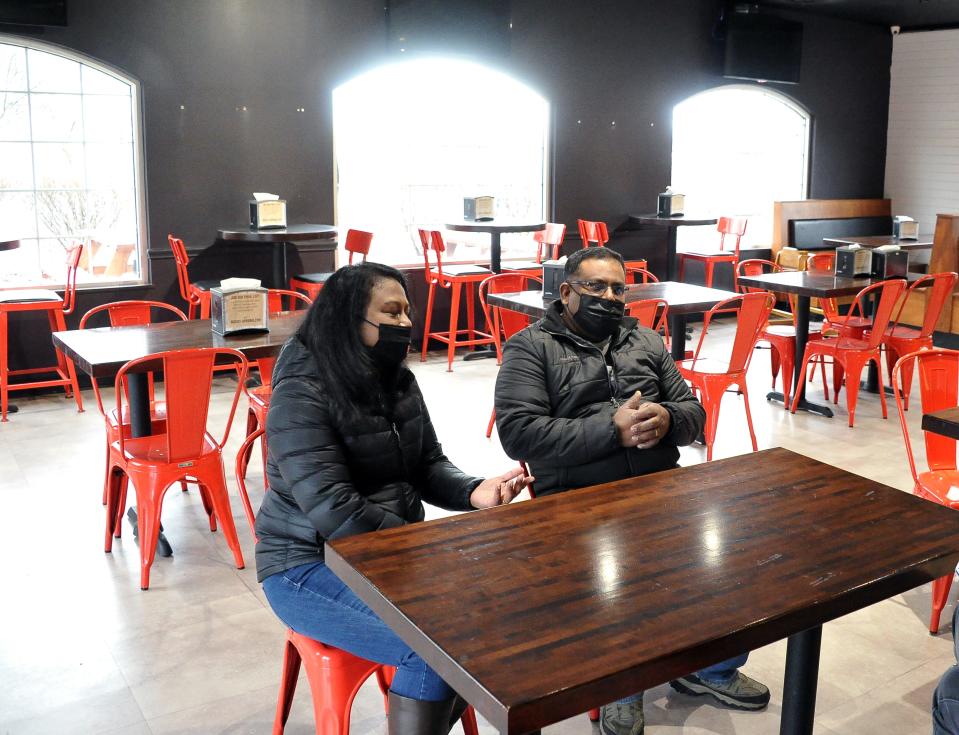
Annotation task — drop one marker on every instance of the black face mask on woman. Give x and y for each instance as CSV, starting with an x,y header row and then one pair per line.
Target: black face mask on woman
x,y
598,318
392,346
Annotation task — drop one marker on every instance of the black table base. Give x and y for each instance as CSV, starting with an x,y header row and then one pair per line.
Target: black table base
x,y
799,689
803,405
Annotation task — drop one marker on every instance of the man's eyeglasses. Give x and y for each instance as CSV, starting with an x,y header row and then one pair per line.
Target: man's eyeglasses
x,y
598,288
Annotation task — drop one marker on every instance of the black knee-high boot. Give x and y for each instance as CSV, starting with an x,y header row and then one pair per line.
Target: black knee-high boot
x,y
416,717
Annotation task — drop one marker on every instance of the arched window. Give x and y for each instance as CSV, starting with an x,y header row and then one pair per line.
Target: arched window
x,y
70,167
412,139
736,150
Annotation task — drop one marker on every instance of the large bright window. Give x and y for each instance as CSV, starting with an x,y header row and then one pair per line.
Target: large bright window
x,y
412,139
736,150
69,167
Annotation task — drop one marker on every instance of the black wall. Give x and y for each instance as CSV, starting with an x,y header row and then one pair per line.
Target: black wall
x,y
627,61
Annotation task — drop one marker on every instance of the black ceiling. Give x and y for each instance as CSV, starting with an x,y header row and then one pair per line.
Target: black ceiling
x,y
907,14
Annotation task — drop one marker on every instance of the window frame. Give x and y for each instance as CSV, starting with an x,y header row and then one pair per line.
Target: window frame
x,y
139,172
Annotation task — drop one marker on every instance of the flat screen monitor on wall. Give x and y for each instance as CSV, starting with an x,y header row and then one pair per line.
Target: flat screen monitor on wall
x,y
763,48
33,12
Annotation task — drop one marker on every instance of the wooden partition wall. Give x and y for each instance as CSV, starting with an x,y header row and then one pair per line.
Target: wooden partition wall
x,y
784,212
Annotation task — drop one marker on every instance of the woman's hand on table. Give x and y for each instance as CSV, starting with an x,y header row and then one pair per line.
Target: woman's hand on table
x,y
499,490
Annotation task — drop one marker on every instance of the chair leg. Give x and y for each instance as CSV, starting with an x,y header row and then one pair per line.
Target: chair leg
x,y
106,474
492,422
470,312
774,364
288,677
207,505
882,390
594,715
711,402
216,484
468,721
837,380
853,371
429,318
71,369
114,475
334,684
709,274
802,376
749,418
940,593
454,324
4,376
149,507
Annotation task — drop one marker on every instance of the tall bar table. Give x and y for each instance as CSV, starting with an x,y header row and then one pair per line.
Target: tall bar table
x,y
671,224
495,228
278,238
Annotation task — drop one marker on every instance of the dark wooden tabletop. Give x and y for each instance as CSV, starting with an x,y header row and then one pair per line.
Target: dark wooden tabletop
x,y
804,283
497,225
102,352
537,611
683,298
924,242
293,233
945,422
679,220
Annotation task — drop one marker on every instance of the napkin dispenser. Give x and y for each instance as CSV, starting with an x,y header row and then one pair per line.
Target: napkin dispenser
x,y
267,211
239,305
670,204
891,262
905,228
853,261
478,209
554,273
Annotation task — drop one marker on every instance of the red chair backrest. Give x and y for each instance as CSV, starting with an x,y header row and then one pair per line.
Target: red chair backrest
x,y
734,226
821,262
432,240
358,243
182,261
293,299
889,293
755,267
942,286
188,378
646,275
593,232
651,313
128,314
553,236
938,389
752,313
70,287
240,471
505,321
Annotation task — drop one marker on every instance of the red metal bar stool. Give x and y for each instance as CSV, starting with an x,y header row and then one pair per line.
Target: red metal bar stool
x,y
357,243
597,232
25,300
727,226
455,278
334,675
195,293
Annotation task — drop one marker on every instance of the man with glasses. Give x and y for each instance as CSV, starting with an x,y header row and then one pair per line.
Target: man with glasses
x,y
585,396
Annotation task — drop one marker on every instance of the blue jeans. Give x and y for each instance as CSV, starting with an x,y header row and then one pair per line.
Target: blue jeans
x,y
313,601
720,673
945,700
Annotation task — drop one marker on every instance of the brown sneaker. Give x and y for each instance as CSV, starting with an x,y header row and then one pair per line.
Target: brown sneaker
x,y
740,692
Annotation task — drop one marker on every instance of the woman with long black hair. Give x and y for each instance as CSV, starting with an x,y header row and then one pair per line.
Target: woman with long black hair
x,y
351,450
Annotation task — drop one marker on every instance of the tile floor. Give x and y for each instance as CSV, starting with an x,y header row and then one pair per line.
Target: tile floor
x,y
83,650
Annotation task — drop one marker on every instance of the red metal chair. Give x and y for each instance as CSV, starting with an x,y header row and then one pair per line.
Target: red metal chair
x,y
781,337
357,243
712,378
454,278
334,675
853,324
24,300
184,449
504,323
552,238
639,272
899,340
195,293
128,314
727,226
258,397
650,313
850,354
938,390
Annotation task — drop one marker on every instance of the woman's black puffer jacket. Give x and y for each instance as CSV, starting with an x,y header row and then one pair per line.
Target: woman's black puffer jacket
x,y
331,477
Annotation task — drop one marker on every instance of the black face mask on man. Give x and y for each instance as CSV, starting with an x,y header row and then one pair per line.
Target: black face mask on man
x,y
598,318
392,346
